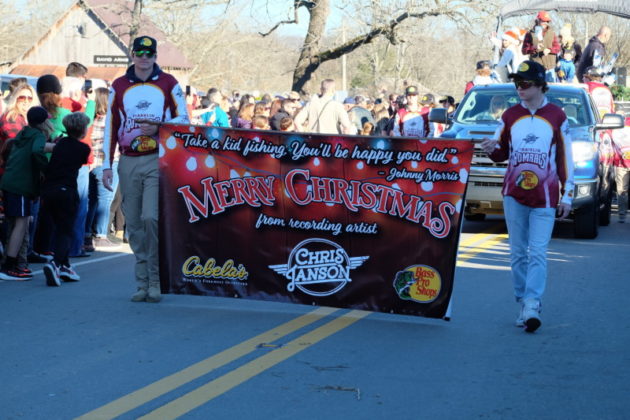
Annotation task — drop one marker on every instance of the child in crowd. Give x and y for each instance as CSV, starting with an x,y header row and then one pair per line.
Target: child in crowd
x,y
368,129
566,68
21,184
260,122
286,124
61,197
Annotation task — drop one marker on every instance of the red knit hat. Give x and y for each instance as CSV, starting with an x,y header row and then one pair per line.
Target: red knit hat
x,y
543,16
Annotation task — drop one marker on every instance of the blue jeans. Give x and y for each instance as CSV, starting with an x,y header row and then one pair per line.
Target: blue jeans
x,y
101,198
529,232
551,76
83,188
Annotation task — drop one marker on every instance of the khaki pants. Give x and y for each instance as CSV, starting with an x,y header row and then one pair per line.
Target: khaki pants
x,y
139,187
622,179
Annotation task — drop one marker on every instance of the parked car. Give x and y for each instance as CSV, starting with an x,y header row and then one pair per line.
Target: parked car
x,y
477,117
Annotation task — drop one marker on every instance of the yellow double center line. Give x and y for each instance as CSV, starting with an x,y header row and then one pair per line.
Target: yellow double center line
x,y
222,384
480,242
226,382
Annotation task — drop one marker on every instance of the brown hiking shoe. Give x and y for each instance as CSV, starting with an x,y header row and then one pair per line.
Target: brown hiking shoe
x,y
139,296
153,294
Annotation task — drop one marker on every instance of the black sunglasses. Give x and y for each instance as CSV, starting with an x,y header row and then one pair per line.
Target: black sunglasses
x,y
148,54
523,84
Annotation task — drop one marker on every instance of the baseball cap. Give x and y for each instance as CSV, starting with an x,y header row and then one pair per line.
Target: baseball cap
x,y
411,90
543,16
145,43
529,70
349,100
427,99
482,64
448,99
294,95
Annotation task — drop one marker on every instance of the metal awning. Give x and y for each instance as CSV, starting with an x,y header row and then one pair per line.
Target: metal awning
x,y
619,8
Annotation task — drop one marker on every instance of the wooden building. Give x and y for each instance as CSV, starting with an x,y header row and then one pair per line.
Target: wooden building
x,y
95,33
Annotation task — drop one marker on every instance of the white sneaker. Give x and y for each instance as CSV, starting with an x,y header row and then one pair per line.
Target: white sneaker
x,y
531,315
52,274
68,274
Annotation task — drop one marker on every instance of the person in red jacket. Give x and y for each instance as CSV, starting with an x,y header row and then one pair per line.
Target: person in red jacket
x,y
534,137
542,46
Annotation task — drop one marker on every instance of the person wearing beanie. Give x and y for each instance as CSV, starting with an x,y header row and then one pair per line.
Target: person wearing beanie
x,y
49,93
510,53
542,46
20,185
135,132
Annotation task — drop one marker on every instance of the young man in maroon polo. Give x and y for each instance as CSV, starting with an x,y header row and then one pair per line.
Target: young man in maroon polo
x,y
534,137
138,102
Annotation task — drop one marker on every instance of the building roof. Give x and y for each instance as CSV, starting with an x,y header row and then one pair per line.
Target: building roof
x,y
36,70
116,15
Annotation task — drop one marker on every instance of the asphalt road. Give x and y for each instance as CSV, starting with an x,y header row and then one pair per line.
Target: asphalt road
x,y
84,349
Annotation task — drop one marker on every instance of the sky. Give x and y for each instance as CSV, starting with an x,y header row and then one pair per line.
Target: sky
x,y
262,15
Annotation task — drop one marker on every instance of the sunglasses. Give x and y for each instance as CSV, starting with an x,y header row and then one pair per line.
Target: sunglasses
x,y
147,54
25,98
523,84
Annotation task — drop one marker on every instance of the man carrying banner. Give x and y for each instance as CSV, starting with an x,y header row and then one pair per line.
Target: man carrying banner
x,y
138,102
534,136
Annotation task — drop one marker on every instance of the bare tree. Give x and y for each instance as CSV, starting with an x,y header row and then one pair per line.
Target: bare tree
x,y
312,56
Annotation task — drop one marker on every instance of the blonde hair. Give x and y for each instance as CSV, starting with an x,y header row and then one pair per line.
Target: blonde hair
x,y
246,112
12,110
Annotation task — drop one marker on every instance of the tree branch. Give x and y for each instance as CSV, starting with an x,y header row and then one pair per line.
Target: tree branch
x,y
296,5
385,30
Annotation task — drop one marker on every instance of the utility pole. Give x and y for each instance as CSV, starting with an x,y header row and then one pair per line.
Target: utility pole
x,y
344,86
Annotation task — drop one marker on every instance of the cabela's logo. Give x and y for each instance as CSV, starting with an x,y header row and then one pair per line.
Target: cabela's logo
x,y
318,267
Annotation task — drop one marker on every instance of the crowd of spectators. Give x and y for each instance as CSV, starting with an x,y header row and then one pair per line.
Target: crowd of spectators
x,y
52,197
323,112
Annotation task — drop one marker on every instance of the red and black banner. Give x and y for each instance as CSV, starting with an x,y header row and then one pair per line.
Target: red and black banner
x,y
345,221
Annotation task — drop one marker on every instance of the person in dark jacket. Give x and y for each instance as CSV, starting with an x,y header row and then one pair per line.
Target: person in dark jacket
x,y
61,197
287,109
593,54
359,115
21,184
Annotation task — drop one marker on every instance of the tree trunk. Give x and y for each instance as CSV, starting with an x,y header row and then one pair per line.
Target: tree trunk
x,y
136,18
309,55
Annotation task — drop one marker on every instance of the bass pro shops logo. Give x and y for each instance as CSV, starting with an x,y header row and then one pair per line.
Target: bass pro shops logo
x,y
318,267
